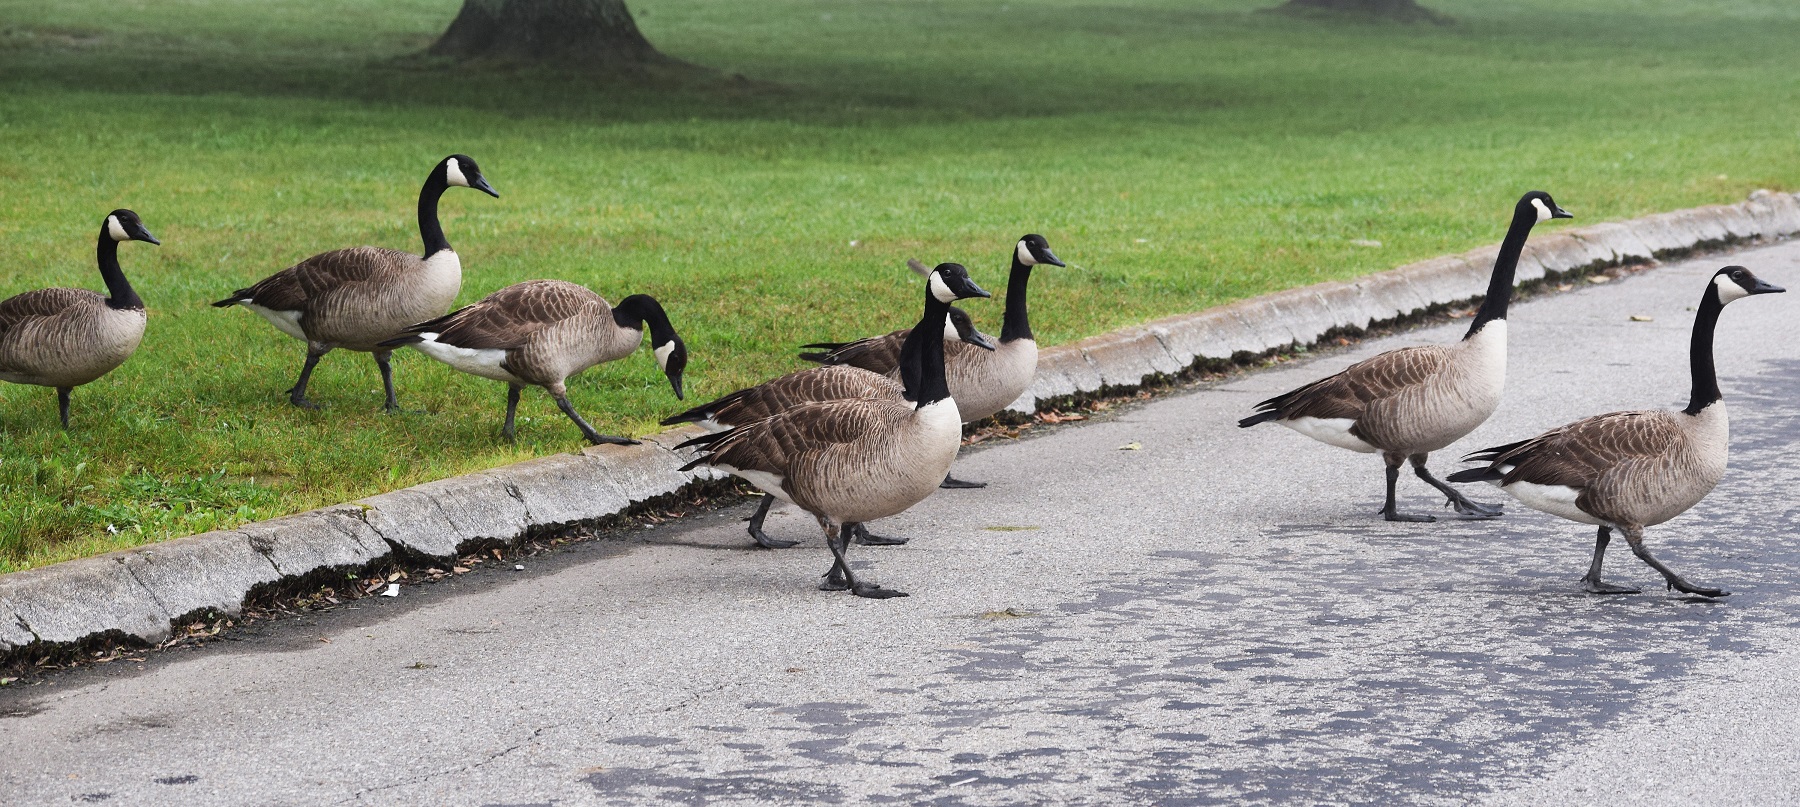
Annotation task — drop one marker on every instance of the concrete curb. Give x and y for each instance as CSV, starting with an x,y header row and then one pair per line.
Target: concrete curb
x,y
143,592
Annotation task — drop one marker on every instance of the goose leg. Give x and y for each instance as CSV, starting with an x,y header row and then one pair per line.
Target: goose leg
x,y
1393,477
840,577
862,535
1635,537
387,379
297,393
952,483
562,402
1462,503
1591,583
62,404
512,411
762,538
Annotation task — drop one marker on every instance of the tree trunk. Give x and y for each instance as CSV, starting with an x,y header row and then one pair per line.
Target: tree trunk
x,y
579,33
1407,10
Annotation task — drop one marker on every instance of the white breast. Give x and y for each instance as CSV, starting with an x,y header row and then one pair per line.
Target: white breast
x,y
442,279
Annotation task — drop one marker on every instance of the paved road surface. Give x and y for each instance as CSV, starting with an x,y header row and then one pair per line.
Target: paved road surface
x,y
1218,617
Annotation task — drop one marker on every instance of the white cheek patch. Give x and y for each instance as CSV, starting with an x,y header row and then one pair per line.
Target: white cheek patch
x,y
1728,290
1023,253
940,289
453,173
662,355
1542,209
950,334
115,230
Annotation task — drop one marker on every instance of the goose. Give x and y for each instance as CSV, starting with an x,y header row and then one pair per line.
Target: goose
x,y
64,338
541,332
1410,402
853,460
355,298
983,382
1626,471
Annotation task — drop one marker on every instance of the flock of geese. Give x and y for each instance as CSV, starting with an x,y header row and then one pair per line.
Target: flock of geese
x,y
874,429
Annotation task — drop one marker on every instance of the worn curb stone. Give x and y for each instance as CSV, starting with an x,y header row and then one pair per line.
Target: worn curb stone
x,y
140,592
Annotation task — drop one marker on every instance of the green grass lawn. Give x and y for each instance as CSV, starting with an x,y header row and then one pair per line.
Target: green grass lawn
x,y
1180,153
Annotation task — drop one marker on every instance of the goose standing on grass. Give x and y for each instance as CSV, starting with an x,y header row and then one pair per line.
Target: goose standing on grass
x,y
853,460
541,332
64,338
355,298
1629,470
1410,402
983,382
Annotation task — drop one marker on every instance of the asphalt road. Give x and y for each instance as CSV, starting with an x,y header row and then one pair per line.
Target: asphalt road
x,y
1215,617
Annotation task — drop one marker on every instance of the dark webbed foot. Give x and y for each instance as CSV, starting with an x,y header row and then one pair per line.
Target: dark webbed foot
x,y
1597,587
763,540
1685,587
1391,515
952,483
302,402
834,581
1475,509
863,536
610,440
875,592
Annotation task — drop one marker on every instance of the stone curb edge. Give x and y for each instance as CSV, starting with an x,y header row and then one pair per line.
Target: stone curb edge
x,y
143,592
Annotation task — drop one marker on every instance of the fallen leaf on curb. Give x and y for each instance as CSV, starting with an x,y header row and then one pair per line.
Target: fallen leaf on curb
x,y
1642,318
1052,417
1008,613
5,681
1132,446
1599,279
460,569
1009,528
324,640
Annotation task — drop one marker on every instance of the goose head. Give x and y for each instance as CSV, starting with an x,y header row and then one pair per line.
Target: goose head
x,y
124,225
950,282
671,356
462,172
1537,206
1736,283
960,326
1033,250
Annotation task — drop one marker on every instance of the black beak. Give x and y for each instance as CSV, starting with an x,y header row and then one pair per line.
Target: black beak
x,y
148,237
675,382
1764,287
969,289
1557,212
1046,256
980,340
480,183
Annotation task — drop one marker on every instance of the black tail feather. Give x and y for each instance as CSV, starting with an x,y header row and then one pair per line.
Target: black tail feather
x,y
1488,474
706,439
1493,453
1260,417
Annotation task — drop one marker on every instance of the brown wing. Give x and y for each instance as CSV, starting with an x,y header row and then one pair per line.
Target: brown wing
x,y
1578,454
22,308
776,444
1349,393
877,354
507,318
291,289
813,385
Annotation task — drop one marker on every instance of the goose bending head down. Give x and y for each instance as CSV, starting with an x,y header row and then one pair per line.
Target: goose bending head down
x,y
356,298
1407,403
540,333
852,460
1625,471
983,382
65,338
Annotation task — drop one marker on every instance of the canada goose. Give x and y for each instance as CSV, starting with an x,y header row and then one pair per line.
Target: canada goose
x,y
355,298
1629,470
541,332
853,460
884,350
64,338
1410,402
982,381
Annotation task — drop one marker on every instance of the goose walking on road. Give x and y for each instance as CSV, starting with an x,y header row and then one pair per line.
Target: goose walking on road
x,y
853,460
355,298
983,382
65,338
1410,402
541,332
1625,471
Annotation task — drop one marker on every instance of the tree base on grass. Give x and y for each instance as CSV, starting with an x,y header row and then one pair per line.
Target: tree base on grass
x,y
1396,10
589,35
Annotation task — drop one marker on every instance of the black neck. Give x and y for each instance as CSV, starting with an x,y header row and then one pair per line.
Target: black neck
x,y
1500,285
429,229
119,291
632,312
1700,353
1017,324
922,356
